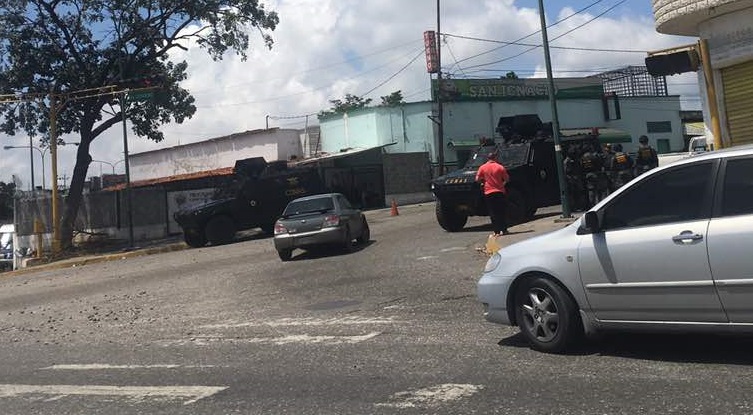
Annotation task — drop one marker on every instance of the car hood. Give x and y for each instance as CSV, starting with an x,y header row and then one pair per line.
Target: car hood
x,y
554,241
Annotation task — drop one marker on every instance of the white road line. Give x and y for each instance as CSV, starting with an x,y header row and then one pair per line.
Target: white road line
x,y
454,248
432,396
309,321
302,338
97,366
190,394
423,258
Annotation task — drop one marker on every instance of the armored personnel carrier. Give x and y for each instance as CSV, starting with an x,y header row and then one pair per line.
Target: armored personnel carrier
x,y
526,149
259,195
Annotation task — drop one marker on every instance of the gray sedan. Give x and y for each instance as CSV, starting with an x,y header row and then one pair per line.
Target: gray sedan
x,y
326,219
671,250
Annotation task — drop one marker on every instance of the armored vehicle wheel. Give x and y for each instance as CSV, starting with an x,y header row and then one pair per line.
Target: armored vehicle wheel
x,y
220,230
450,220
194,238
268,228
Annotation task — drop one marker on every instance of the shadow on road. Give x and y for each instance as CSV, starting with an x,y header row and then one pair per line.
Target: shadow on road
x,y
686,348
327,251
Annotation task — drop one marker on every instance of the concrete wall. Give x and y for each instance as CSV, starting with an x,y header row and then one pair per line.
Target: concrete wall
x,y
638,111
272,144
407,178
682,17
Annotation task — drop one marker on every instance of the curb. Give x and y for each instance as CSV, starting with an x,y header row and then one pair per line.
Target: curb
x,y
93,259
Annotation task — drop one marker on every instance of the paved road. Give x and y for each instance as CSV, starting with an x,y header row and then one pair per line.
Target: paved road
x,y
392,328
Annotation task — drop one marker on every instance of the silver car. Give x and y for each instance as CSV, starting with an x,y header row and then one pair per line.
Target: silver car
x,y
326,219
669,250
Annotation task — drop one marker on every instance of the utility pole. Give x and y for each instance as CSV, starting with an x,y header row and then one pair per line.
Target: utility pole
x,y
440,107
54,156
555,118
123,107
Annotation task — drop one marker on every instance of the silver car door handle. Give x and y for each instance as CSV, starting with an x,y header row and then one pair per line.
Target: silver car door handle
x,y
687,236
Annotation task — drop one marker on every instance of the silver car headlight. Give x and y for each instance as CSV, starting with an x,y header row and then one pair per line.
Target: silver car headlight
x,y
493,262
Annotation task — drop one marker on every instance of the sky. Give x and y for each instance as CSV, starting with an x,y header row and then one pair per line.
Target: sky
x,y
325,49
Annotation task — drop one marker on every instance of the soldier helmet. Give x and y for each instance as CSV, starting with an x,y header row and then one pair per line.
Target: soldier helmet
x,y
643,139
617,147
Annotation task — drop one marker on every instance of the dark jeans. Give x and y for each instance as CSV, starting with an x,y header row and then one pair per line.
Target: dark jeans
x,y
496,204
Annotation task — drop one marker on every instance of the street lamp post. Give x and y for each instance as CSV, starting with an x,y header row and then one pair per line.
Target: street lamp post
x,y
41,155
42,152
112,165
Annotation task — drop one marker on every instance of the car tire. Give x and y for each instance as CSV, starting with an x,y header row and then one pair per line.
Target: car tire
x,y
448,219
220,230
347,244
285,254
547,315
365,236
194,238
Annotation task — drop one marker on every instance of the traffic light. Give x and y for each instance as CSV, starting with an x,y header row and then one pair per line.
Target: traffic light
x,y
673,63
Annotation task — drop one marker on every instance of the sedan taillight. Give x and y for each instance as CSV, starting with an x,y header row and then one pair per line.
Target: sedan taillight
x,y
331,220
280,228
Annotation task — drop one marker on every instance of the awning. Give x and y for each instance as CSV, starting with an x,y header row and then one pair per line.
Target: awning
x,y
606,135
612,135
463,143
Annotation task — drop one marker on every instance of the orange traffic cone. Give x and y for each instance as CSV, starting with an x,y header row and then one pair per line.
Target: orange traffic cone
x,y
393,211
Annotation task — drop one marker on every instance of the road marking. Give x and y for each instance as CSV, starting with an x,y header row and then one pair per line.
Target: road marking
x,y
309,321
432,396
423,258
137,393
97,366
454,248
301,338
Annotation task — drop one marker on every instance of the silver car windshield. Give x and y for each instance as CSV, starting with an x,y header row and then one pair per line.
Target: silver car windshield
x,y
309,206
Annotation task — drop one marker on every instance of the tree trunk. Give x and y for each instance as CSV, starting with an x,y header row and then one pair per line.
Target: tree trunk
x,y
75,192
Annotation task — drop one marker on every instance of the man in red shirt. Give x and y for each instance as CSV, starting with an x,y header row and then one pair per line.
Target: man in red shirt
x,y
493,177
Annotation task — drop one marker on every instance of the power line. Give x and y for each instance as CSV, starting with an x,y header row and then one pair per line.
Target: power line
x,y
395,74
516,43
552,40
526,36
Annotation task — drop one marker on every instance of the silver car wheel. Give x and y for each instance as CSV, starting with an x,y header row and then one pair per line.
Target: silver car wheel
x,y
540,315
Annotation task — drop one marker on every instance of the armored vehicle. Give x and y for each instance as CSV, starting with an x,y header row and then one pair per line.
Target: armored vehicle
x,y
527,152
258,196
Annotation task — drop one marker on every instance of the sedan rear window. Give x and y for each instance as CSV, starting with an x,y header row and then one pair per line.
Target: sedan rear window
x,y
298,207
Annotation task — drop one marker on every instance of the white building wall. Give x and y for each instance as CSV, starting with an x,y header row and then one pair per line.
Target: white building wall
x,y
272,144
637,112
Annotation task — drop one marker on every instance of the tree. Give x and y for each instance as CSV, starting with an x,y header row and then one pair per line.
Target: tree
x,y
7,192
393,100
73,45
350,103
511,75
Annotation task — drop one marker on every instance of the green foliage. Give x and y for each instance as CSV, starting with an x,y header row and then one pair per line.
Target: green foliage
x,y
7,191
393,100
350,103
69,46
511,75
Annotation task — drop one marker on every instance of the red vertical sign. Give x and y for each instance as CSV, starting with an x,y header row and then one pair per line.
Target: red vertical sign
x,y
430,45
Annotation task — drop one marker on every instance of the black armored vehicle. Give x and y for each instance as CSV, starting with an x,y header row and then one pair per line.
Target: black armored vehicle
x,y
258,196
526,149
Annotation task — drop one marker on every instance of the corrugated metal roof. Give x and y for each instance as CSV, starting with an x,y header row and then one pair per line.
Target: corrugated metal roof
x,y
224,171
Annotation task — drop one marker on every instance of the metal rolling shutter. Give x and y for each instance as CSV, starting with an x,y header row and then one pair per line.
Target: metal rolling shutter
x,y
738,102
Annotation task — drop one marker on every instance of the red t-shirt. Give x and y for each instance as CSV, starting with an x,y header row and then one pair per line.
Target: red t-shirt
x,y
494,177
